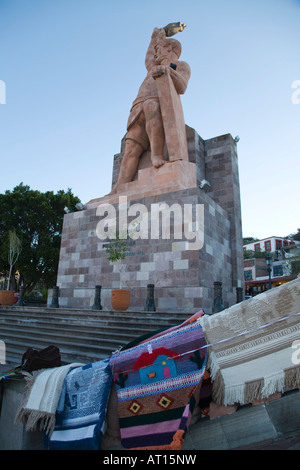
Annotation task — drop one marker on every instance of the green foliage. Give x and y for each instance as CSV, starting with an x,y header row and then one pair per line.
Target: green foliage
x,y
15,248
248,254
295,236
37,220
247,240
116,249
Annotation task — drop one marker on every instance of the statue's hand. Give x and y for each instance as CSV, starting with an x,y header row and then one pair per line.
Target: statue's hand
x,y
174,28
158,33
158,71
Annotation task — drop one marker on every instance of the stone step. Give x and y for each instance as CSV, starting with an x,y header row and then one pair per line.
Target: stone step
x,y
89,322
81,335
115,330
100,329
109,326
9,334
15,351
71,346
87,315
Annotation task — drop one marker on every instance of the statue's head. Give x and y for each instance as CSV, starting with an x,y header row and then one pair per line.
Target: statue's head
x,y
165,48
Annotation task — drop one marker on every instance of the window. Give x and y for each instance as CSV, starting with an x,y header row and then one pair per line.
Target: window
x,y
268,245
248,275
257,247
278,244
278,270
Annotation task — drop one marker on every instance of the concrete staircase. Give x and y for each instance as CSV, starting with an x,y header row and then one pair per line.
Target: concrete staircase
x,y
81,335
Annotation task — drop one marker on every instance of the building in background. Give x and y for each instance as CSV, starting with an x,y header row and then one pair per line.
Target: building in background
x,y
269,263
270,244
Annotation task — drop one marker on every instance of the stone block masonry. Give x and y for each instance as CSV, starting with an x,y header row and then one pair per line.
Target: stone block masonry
x,y
183,278
221,170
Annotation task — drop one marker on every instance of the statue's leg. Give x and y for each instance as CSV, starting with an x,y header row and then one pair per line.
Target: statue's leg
x,y
155,131
133,151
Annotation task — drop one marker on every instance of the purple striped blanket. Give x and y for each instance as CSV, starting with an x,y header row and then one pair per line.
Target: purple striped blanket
x,y
158,382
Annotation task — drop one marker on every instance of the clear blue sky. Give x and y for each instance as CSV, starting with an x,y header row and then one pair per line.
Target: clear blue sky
x,y
73,67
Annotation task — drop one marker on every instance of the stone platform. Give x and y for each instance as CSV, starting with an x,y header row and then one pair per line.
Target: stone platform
x,y
170,178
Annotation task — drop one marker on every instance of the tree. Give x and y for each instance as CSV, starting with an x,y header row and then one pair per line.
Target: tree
x,y
15,248
247,240
295,236
37,220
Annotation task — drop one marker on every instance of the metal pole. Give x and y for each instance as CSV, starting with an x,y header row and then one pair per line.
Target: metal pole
x,y
97,300
150,303
218,300
22,294
54,303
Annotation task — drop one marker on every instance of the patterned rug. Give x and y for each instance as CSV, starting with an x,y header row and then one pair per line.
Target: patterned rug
x,y
81,411
158,383
250,346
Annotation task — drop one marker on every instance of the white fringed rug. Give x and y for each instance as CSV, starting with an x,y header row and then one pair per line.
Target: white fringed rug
x,y
250,354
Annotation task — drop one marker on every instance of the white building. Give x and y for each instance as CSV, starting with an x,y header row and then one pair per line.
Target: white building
x,y
270,244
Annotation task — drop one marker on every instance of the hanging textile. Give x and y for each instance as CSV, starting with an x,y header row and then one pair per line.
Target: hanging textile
x,y
81,411
158,383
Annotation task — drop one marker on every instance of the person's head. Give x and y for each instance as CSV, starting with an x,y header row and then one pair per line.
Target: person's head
x,y
167,49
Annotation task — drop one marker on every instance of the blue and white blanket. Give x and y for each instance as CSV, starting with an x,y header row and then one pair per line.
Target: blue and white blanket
x,y
81,411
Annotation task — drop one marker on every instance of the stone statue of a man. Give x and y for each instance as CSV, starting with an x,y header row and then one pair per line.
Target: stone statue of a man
x,y
145,124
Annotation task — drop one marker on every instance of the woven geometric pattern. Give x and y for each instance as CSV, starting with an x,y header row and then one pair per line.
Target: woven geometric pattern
x,y
157,384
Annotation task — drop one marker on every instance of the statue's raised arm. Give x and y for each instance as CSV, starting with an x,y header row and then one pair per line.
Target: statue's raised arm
x,y
161,33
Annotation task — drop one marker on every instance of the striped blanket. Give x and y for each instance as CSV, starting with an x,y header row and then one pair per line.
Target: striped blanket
x,y
251,346
158,382
81,411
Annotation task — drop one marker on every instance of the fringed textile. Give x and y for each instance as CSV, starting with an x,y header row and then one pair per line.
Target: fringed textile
x,y
158,383
250,346
43,392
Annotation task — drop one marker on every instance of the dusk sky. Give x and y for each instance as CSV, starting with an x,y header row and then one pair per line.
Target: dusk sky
x,y
70,70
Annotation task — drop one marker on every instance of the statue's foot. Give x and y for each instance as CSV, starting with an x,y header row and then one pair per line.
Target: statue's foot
x,y
157,161
113,191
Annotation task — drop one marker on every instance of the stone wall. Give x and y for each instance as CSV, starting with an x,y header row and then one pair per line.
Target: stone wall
x,y
183,278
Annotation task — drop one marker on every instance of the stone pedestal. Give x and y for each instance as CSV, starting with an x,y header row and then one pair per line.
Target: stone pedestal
x,y
183,277
171,177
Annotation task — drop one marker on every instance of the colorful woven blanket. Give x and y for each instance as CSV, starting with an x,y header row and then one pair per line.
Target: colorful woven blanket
x,y
81,411
251,346
157,383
